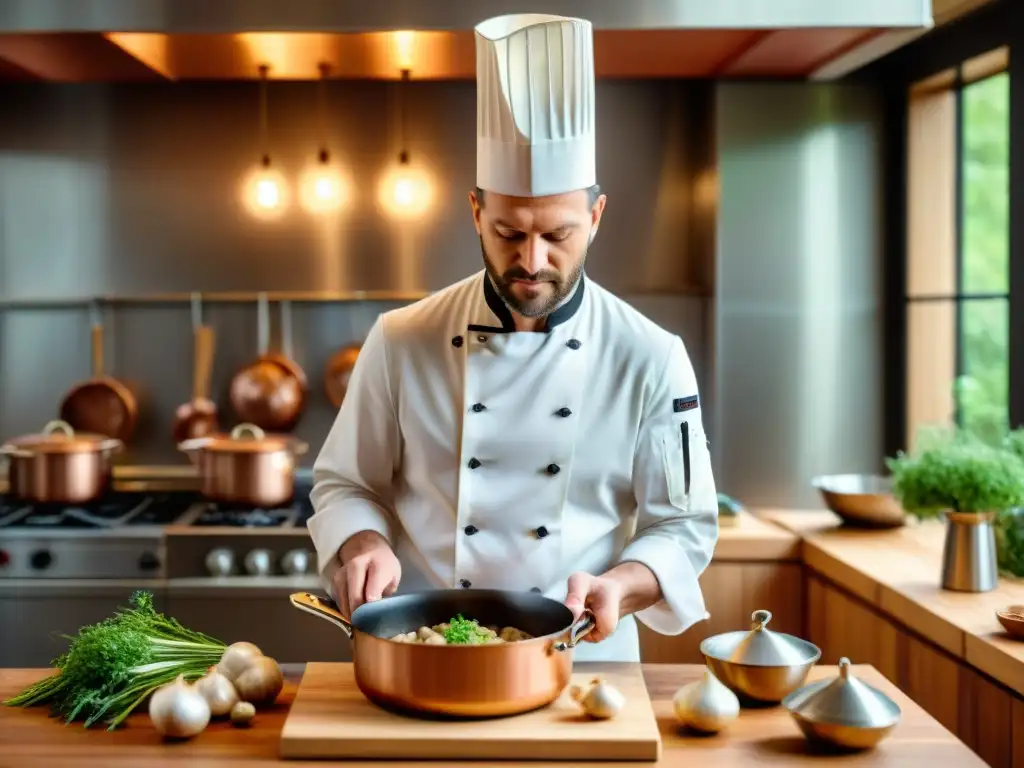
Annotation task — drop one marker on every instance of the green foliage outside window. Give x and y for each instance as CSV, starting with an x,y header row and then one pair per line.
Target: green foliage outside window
x,y
983,387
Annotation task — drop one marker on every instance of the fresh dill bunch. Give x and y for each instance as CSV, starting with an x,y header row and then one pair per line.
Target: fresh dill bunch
x,y
112,666
462,631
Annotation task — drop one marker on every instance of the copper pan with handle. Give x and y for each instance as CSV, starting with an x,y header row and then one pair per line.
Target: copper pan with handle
x,y
271,391
338,373
198,417
102,405
489,679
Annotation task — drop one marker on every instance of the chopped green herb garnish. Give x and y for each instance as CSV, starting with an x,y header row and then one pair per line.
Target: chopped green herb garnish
x,y
465,632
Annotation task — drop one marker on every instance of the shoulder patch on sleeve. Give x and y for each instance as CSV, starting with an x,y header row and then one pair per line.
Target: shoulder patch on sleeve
x,y
683,404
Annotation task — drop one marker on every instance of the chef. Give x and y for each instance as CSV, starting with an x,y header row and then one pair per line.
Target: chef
x,y
524,429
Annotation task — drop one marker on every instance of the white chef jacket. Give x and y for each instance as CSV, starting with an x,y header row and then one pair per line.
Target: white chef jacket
x,y
498,459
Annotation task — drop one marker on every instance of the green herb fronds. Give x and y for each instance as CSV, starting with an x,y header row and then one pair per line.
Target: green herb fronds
x,y
465,632
111,667
959,476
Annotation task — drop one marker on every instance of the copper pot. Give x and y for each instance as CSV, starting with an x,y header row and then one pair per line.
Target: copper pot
x,y
271,391
59,465
101,405
247,466
198,417
338,372
464,680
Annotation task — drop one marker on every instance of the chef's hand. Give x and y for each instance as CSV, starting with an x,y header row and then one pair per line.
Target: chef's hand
x,y
602,596
369,571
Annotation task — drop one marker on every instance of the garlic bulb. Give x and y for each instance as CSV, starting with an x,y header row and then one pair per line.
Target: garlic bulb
x,y
178,710
236,659
599,699
260,682
706,705
218,691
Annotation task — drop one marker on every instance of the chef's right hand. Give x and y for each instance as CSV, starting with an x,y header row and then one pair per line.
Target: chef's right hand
x,y
369,571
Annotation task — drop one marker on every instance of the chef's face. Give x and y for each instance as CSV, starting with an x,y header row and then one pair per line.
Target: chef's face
x,y
534,247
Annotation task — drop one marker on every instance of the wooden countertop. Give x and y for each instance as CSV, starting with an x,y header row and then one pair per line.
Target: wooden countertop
x,y
746,538
29,738
898,572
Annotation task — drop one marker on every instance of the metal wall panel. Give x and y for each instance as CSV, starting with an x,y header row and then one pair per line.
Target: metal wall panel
x,y
133,190
797,311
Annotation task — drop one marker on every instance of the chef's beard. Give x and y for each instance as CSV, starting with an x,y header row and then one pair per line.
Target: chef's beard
x,y
539,306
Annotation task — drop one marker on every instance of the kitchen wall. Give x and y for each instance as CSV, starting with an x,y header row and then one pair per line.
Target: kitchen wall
x,y
797,320
133,190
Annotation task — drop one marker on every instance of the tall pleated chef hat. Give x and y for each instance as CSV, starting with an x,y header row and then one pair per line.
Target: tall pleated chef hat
x,y
535,105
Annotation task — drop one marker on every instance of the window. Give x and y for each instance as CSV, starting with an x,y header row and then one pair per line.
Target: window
x,y
958,250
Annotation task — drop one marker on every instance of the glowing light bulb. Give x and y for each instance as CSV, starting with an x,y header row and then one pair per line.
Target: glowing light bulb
x,y
405,191
268,194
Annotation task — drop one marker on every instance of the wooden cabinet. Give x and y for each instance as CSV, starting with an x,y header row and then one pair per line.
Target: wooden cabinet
x,y
978,710
732,592
841,625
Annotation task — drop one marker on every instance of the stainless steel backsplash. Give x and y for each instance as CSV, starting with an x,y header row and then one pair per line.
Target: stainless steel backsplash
x,y
134,189
797,317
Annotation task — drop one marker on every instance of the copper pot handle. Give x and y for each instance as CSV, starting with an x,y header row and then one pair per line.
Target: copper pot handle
x,y
321,607
583,626
110,445
247,430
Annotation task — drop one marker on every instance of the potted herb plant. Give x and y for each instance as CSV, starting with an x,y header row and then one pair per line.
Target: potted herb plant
x,y
969,484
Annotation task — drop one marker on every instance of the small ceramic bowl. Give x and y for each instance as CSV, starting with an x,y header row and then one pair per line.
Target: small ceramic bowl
x,y
1012,619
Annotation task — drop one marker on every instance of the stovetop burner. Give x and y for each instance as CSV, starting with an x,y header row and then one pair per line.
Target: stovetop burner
x,y
117,509
295,513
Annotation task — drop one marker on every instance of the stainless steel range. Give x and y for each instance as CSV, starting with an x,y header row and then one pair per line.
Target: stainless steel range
x,y
221,569
118,537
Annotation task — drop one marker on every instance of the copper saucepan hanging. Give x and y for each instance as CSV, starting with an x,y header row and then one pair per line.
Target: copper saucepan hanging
x,y
270,392
338,373
102,405
198,417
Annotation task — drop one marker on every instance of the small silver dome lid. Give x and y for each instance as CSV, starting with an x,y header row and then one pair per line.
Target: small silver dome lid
x,y
844,700
760,647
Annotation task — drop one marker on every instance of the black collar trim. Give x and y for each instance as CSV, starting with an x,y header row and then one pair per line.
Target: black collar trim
x,y
504,315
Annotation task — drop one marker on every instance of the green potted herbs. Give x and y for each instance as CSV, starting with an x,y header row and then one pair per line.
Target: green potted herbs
x,y
970,485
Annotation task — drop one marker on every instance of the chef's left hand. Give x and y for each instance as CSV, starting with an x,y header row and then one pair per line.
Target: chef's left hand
x,y
602,595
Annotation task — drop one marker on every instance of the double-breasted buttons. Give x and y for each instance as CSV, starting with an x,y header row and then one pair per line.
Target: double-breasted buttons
x,y
478,407
470,530
474,463
464,583
553,469
541,532
574,343
563,412
457,341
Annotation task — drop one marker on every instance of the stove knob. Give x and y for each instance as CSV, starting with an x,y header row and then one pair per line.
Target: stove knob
x,y
41,559
220,562
258,562
296,562
148,561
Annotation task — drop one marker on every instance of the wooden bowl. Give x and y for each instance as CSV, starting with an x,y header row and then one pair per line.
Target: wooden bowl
x,y
1012,620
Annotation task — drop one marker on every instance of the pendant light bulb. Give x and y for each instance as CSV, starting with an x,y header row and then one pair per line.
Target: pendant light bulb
x,y
323,190
265,190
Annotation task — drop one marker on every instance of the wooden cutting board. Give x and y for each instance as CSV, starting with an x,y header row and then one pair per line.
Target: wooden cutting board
x,y
330,718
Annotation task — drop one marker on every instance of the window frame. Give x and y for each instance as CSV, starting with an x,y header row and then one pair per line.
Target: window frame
x,y
963,75
994,25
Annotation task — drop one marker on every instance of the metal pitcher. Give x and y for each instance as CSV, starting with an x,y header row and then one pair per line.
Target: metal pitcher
x,y
969,554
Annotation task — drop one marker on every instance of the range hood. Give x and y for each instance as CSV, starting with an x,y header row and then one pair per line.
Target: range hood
x,y
111,40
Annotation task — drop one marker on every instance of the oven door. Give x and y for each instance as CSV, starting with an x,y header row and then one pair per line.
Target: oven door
x,y
256,609
35,614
